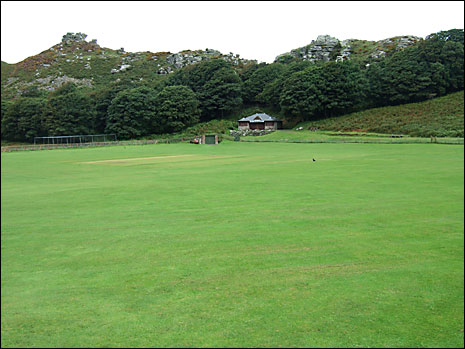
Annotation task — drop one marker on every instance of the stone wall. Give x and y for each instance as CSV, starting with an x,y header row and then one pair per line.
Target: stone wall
x,y
249,132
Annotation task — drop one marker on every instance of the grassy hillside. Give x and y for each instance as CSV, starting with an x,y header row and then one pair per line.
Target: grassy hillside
x,y
80,62
441,117
96,68
87,63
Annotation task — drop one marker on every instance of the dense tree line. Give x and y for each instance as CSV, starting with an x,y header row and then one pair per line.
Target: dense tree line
x,y
295,90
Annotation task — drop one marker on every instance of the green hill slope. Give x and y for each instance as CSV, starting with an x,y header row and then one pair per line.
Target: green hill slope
x,y
85,63
250,87
441,117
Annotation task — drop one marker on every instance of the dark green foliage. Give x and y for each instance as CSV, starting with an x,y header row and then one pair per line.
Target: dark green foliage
x,y
69,112
432,68
216,84
221,94
299,96
23,119
176,108
5,106
102,100
34,91
296,66
271,93
201,128
322,91
452,56
455,35
247,71
446,48
258,81
196,76
404,78
132,113
285,59
291,88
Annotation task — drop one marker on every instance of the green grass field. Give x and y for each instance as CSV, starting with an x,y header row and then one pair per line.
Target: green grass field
x,y
236,245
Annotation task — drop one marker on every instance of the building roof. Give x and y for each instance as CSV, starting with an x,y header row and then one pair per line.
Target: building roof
x,y
259,117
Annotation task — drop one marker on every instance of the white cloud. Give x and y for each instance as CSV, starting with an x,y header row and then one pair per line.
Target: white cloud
x,y
255,30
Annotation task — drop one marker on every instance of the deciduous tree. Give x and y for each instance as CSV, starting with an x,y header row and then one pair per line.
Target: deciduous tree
x,y
132,114
176,108
69,112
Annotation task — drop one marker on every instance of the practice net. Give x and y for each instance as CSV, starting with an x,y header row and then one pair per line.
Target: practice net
x,y
75,139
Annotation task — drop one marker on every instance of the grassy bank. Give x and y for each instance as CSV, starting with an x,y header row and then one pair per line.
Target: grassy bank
x,y
440,117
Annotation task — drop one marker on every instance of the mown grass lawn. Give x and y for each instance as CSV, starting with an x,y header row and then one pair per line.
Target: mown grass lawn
x,y
235,245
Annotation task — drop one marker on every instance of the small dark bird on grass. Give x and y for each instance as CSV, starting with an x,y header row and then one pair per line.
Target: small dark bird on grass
x,y
314,160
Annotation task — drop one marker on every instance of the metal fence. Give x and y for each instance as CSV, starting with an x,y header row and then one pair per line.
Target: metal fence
x,y
405,140
368,141
31,147
75,139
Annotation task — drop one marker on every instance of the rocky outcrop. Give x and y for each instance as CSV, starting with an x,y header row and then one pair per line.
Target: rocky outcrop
x,y
173,61
326,48
68,37
121,68
180,60
394,44
400,42
51,83
79,58
345,51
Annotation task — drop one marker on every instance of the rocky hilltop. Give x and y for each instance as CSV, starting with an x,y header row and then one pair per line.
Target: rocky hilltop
x,y
86,63
326,48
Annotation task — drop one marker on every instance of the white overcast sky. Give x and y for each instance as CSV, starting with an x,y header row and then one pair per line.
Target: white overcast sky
x,y
258,30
